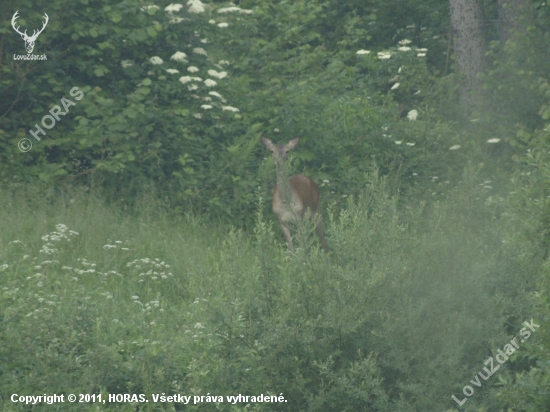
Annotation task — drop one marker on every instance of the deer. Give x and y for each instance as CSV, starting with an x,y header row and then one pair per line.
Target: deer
x,y
29,40
294,198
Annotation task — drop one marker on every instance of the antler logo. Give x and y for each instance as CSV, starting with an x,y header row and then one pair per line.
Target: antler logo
x,y
29,40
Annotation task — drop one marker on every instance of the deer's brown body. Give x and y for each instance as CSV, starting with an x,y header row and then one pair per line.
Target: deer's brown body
x,y
296,197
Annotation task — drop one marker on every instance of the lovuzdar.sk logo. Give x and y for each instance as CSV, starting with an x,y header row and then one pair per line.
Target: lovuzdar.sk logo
x,y
29,40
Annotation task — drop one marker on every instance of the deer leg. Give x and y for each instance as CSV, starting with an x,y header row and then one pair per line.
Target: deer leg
x,y
288,237
321,233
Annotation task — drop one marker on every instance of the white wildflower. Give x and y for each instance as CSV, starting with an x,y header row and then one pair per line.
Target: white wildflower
x,y
179,57
403,48
398,142
222,62
195,6
185,79
231,109
219,75
192,87
455,147
175,19
210,83
384,55
234,8
172,71
404,42
192,69
145,8
223,25
212,21
362,51
173,7
206,106
395,86
156,60
200,50
126,63
421,54
412,115
495,140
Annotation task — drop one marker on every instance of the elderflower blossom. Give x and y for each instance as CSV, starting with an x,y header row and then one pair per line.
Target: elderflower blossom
x,y
200,50
412,115
173,7
216,94
218,75
145,8
234,8
195,6
179,57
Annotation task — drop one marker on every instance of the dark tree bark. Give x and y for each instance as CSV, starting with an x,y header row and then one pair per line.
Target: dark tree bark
x,y
513,16
467,24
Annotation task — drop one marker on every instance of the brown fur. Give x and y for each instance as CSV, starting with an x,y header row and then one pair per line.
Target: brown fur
x,y
303,196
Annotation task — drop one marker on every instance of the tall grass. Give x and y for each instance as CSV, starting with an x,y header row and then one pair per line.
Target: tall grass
x,y
399,316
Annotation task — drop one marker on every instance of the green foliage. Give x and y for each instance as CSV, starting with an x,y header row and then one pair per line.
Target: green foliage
x,y
513,81
529,212
139,116
141,123
398,316
418,289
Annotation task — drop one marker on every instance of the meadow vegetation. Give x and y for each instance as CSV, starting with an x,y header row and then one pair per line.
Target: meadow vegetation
x,y
411,301
139,253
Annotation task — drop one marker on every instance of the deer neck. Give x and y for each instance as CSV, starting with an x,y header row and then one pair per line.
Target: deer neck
x,y
283,182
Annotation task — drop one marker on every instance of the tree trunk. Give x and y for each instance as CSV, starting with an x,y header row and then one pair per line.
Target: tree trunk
x,y
467,24
513,15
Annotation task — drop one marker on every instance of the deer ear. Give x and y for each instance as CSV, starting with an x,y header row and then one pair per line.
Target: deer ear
x,y
268,143
293,143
